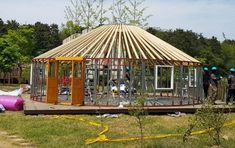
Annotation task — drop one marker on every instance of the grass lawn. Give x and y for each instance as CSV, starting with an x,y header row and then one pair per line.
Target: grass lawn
x,y
9,87
47,131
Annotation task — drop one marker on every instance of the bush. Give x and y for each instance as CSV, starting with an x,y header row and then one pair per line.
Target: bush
x,y
210,118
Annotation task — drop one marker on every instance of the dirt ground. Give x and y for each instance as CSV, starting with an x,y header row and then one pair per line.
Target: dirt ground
x,y
5,143
12,141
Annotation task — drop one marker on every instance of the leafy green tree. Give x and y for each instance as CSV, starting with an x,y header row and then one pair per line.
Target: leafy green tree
x,y
69,29
3,28
41,37
12,25
212,52
46,37
228,50
54,36
7,58
16,48
215,45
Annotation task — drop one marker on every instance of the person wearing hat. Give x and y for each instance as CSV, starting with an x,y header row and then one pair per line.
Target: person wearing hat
x,y
214,83
231,85
206,81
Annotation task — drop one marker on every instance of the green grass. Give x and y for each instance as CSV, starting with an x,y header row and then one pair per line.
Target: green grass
x,y
9,87
47,131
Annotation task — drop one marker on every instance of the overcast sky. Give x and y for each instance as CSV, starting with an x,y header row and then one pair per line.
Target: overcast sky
x,y
209,17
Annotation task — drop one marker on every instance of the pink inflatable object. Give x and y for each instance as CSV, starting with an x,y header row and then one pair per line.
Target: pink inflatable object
x,y
12,102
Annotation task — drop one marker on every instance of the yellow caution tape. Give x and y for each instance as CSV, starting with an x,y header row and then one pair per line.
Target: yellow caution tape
x,y
103,138
101,135
100,138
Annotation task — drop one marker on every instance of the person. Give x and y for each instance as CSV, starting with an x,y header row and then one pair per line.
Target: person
x,y
206,81
214,83
231,85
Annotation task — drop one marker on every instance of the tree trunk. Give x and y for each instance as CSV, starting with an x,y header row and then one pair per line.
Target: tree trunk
x,y
4,77
9,78
20,74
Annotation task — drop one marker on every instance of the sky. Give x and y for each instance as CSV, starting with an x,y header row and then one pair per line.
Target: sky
x,y
206,17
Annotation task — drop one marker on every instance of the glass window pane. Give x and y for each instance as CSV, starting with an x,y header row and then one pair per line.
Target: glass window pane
x,y
192,77
52,69
77,69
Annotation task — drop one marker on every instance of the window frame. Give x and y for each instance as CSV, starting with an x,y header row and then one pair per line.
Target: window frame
x,y
156,77
194,76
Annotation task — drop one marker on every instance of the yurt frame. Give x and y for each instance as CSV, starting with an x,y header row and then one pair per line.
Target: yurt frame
x,y
112,70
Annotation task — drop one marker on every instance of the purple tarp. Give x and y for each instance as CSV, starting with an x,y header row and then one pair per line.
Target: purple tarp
x,y
12,102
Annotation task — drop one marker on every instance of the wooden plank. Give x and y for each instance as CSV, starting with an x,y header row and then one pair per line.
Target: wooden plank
x,y
111,43
135,39
34,108
129,42
156,110
69,58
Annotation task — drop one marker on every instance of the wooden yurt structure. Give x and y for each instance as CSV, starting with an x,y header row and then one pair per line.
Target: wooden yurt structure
x,y
113,64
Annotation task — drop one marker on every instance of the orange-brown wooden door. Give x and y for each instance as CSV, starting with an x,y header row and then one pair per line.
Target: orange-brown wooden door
x,y
52,82
77,83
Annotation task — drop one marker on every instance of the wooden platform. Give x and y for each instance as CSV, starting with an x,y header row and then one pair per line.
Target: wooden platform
x,y
36,108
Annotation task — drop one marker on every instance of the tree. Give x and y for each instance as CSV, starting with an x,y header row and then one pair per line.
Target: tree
x,y
90,13
83,12
17,46
209,118
46,37
8,56
54,36
211,51
100,15
184,40
139,113
41,37
135,13
3,28
228,50
118,11
69,29
73,12
12,25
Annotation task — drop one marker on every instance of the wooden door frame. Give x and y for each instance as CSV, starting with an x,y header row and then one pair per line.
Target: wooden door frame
x,y
52,95
73,60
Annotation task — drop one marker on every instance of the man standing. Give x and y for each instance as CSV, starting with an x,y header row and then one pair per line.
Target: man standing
x,y
214,83
231,85
206,81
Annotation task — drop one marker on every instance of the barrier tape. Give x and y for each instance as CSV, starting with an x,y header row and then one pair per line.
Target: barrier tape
x,y
105,127
103,138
